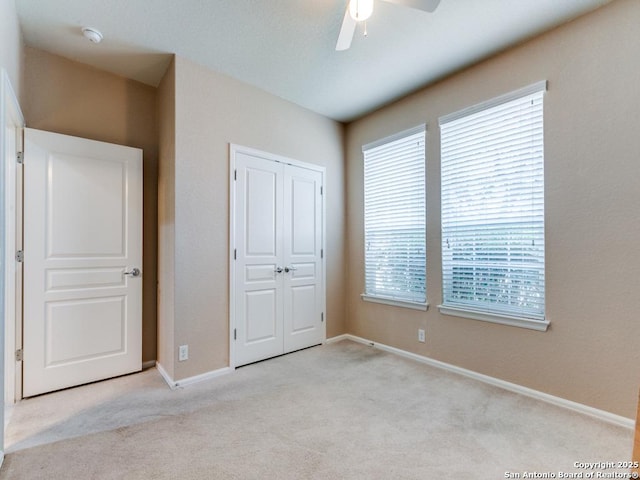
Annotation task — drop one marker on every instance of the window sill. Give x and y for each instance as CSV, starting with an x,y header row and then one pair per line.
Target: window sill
x,y
394,302
539,325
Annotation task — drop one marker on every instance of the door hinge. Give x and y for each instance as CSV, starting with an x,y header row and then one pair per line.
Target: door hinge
x,y
20,157
235,334
322,253
322,317
19,355
235,174
321,190
19,256
235,254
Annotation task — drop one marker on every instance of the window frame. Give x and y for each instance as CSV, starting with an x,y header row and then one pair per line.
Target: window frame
x,y
470,311
376,297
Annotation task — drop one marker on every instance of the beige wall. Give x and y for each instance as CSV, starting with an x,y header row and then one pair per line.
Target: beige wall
x,y
211,111
166,218
71,98
11,44
592,172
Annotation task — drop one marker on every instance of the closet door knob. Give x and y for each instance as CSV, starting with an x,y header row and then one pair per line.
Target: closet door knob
x,y
134,272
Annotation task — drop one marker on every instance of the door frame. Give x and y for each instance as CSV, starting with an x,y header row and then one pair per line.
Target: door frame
x,y
10,328
235,149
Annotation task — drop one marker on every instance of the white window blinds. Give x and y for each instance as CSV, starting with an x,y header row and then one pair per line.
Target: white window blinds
x,y
492,176
394,217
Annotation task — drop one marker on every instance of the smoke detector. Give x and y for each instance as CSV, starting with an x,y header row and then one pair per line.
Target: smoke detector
x,y
91,34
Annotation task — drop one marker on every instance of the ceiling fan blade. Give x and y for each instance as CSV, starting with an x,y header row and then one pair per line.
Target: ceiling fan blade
x,y
425,5
346,32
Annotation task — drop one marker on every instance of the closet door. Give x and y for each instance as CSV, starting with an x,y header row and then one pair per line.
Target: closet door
x,y
302,237
258,263
277,264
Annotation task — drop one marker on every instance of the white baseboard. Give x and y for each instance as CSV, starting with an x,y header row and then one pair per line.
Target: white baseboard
x,y
174,384
167,378
202,377
344,336
512,387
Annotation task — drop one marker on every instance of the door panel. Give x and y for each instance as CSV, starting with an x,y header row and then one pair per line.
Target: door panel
x,y
303,308
261,318
303,212
83,278
97,186
82,232
104,318
261,204
278,294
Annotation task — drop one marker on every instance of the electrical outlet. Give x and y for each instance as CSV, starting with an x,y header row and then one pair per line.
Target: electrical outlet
x,y
183,353
421,335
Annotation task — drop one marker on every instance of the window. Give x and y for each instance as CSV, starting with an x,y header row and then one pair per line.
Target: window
x,y
492,187
394,219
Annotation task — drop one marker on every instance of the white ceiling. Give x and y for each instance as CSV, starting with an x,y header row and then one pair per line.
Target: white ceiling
x,y
287,47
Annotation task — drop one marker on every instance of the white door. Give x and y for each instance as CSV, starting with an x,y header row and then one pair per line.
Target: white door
x,y
278,268
302,241
259,267
82,260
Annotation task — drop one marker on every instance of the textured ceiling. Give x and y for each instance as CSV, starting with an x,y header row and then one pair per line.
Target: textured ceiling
x,y
287,47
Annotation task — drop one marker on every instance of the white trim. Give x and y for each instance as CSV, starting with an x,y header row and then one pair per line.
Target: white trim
x,y
395,302
232,254
185,382
3,270
539,325
396,136
9,327
339,338
234,149
496,382
167,378
540,86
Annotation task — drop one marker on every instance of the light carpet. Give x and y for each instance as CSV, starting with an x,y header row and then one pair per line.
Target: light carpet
x,y
337,411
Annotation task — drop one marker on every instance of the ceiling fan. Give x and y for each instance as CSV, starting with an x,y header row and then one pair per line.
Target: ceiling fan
x,y
360,10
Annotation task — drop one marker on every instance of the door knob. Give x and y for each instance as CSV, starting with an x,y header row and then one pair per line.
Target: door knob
x,y
135,272
289,269
278,270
